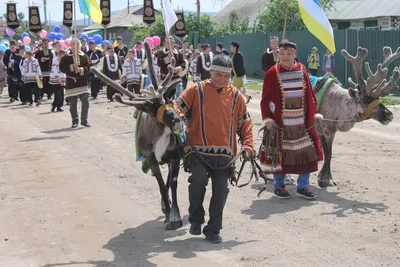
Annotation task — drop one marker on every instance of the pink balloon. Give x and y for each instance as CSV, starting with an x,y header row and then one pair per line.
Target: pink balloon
x,y
134,47
67,41
26,40
43,34
63,45
156,40
149,40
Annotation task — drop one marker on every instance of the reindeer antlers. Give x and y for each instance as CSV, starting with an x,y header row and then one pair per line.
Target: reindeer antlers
x,y
376,84
357,66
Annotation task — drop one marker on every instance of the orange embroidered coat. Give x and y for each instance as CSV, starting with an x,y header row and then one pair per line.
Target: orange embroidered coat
x,y
214,119
288,100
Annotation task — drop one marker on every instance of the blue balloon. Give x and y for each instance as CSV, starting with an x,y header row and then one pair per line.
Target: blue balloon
x,y
59,36
105,42
83,35
52,36
57,29
3,48
24,34
89,39
27,48
97,38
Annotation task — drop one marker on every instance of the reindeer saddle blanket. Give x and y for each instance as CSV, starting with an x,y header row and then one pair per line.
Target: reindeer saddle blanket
x,y
320,86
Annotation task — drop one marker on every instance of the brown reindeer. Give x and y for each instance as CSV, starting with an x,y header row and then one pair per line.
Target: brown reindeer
x,y
159,126
343,108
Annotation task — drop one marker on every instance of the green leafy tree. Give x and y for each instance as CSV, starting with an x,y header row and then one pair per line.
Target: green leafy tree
x,y
273,17
234,25
140,32
206,25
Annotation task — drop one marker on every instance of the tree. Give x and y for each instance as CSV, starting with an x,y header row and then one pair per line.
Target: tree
x,y
234,25
140,32
206,25
273,18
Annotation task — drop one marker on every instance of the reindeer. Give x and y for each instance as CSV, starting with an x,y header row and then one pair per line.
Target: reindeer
x,y
343,108
158,126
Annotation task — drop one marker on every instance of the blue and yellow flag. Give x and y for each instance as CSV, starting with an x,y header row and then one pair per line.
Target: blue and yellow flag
x,y
317,22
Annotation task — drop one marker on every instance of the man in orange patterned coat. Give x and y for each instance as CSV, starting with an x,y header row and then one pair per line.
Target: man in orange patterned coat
x,y
289,104
216,113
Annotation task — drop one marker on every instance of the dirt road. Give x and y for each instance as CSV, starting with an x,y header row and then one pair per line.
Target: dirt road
x,y
78,198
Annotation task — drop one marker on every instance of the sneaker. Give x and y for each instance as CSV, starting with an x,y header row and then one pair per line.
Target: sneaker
x,y
74,125
281,193
195,229
53,109
59,110
213,237
38,103
306,193
86,124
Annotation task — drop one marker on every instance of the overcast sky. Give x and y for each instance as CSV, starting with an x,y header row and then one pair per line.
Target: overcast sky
x,y
55,7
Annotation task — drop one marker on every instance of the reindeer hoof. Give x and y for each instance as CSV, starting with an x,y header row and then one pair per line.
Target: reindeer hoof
x,y
322,183
172,225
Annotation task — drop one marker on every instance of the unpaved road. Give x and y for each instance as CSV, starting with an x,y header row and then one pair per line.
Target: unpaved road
x,y
78,198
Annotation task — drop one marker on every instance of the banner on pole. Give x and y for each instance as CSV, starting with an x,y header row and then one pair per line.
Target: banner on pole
x,y
105,6
35,25
67,20
180,29
149,16
12,18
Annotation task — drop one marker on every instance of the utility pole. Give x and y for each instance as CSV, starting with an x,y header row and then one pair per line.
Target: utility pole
x,y
128,7
45,11
198,15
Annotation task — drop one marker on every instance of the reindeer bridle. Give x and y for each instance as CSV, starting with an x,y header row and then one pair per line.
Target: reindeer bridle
x,y
162,109
376,84
366,115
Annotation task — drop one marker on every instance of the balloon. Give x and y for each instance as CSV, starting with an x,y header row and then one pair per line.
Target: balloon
x,y
24,34
97,38
57,29
89,39
3,48
10,32
59,36
27,48
26,40
156,40
68,41
50,44
103,43
149,40
43,34
83,35
52,36
134,47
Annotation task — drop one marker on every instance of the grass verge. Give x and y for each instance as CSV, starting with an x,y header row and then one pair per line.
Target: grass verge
x,y
390,100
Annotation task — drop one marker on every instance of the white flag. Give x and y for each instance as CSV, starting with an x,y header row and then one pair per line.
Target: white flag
x,y
169,15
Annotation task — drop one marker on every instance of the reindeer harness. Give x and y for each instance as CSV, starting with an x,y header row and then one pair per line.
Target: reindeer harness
x,y
368,111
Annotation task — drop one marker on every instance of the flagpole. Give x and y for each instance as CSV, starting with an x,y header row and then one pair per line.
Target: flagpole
x,y
286,17
74,27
